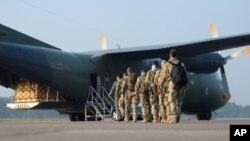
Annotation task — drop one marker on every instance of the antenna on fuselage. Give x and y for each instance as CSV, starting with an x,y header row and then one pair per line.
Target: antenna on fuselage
x,y
118,46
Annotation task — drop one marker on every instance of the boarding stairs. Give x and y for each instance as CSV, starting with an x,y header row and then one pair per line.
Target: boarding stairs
x,y
99,105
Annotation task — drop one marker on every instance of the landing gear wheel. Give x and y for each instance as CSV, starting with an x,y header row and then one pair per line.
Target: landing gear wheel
x,y
204,116
115,116
76,117
72,117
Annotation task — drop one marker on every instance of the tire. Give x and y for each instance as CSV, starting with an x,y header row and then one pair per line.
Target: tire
x,y
76,117
204,116
114,116
80,117
72,117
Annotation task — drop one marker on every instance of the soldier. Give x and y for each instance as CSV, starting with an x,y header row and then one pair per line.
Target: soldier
x,y
130,96
140,89
161,78
122,97
116,87
178,83
149,80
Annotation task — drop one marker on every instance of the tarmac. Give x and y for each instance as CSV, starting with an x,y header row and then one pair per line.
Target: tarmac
x,y
63,130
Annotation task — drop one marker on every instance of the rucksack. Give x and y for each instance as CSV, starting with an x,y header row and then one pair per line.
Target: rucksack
x,y
178,75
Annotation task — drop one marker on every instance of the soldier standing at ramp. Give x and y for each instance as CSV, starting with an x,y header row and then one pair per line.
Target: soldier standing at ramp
x,y
161,80
122,97
140,89
130,96
149,80
178,82
116,87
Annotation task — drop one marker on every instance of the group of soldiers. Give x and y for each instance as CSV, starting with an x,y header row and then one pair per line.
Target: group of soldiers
x,y
160,92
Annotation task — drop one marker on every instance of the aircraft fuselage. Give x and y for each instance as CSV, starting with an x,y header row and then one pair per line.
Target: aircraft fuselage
x,y
72,74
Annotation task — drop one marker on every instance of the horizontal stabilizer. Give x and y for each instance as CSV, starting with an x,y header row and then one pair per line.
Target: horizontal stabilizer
x,y
9,35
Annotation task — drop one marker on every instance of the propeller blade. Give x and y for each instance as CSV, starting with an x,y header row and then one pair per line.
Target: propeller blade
x,y
226,94
104,42
214,30
237,54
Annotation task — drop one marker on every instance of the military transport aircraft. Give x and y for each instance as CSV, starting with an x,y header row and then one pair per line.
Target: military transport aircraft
x,y
46,77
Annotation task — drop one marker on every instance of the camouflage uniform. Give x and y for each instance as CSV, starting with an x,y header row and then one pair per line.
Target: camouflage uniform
x,y
174,98
140,88
122,97
152,93
161,79
116,87
130,97
121,105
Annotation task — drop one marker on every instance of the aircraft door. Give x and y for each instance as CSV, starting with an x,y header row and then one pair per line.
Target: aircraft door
x,y
95,81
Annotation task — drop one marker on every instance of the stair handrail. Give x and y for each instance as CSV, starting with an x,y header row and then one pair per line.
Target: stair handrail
x,y
99,97
105,91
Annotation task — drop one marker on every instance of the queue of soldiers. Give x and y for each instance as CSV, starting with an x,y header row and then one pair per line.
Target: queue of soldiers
x,y
160,92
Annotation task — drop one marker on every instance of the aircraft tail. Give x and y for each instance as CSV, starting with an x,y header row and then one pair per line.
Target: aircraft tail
x,y
9,35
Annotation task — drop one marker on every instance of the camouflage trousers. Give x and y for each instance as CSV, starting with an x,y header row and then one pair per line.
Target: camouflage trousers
x,y
131,98
163,103
153,104
144,106
121,105
118,113
174,103
162,111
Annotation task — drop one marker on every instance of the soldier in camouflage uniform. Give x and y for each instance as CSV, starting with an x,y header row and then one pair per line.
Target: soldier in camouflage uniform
x,y
152,90
175,93
140,89
130,96
122,97
161,78
116,87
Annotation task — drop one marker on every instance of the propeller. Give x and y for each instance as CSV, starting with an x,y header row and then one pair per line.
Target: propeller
x,y
227,94
214,30
238,54
104,42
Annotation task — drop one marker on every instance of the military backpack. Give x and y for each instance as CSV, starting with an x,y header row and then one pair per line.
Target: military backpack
x,y
178,75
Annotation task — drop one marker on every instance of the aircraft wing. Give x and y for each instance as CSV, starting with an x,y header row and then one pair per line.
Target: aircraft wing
x,y
186,49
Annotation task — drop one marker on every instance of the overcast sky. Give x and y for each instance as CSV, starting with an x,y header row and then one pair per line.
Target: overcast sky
x,y
77,25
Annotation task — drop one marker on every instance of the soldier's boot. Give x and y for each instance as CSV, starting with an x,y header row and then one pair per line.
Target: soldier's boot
x,y
178,119
155,121
154,113
166,118
144,115
172,119
163,120
134,118
127,115
155,118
